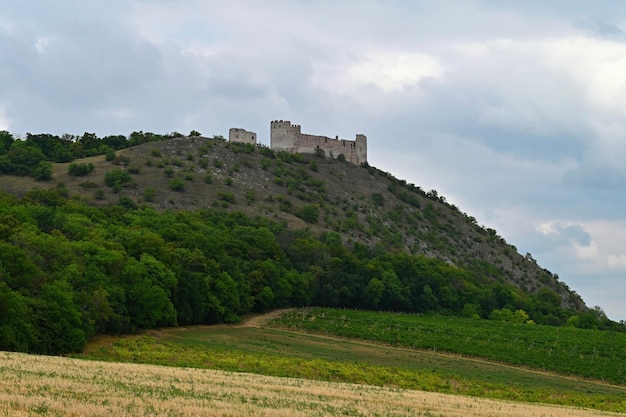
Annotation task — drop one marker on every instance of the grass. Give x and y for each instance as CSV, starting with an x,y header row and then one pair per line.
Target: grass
x,y
567,350
285,353
54,386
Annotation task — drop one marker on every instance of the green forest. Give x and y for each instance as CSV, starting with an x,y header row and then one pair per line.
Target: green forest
x,y
33,155
70,271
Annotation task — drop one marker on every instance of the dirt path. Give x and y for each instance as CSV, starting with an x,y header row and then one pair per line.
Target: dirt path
x,y
261,319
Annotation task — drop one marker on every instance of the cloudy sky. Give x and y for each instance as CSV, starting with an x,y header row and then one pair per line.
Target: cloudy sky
x,y
514,111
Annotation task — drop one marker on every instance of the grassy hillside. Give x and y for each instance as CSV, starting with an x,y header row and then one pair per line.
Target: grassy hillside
x,y
361,203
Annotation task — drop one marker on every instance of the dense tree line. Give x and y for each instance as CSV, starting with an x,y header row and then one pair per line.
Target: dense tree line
x,y
31,156
69,271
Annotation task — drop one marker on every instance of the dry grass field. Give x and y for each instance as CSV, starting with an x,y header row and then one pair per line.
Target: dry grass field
x,y
55,386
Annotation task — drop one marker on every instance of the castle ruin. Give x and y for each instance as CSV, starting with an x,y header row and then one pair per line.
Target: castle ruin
x,y
241,135
287,137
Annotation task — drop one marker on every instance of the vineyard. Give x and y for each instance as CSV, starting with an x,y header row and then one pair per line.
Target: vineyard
x,y
325,356
587,353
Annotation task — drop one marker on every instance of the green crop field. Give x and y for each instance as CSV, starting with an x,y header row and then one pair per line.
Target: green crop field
x,y
587,353
330,356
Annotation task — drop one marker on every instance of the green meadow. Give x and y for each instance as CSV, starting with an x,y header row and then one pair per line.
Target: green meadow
x,y
350,346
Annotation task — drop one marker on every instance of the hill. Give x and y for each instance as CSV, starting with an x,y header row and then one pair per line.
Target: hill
x,y
195,230
361,203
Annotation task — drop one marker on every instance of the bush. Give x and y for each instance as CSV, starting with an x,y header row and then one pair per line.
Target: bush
x,y
127,202
43,172
177,185
309,214
99,194
149,194
117,178
79,170
228,197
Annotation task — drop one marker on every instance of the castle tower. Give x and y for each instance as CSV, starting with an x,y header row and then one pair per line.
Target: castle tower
x,y
283,135
361,148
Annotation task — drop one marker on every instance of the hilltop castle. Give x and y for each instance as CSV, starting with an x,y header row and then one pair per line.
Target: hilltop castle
x,y
287,137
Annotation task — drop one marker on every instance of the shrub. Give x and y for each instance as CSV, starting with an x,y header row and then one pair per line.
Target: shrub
x,y
208,178
117,178
149,194
99,194
228,197
308,213
79,170
127,202
43,172
267,152
177,185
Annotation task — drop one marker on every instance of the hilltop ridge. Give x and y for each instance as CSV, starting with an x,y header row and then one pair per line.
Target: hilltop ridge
x,y
361,203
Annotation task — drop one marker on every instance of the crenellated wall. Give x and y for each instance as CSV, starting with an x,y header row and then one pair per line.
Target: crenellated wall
x,y
289,138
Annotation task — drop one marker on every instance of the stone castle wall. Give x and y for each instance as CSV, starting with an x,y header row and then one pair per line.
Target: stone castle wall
x,y
289,138
241,135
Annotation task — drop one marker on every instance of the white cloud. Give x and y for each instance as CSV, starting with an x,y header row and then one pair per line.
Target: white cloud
x,y
390,71
5,123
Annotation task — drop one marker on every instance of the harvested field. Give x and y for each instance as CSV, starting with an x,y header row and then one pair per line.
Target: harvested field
x,y
53,386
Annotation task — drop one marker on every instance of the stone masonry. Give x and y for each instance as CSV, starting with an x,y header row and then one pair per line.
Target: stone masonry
x,y
241,135
287,137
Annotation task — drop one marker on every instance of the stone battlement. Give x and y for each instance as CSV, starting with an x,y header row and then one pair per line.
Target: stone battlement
x,y
288,137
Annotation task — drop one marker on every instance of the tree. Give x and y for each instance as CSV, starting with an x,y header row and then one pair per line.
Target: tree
x,y
6,140
58,320
43,172
17,332
24,157
117,178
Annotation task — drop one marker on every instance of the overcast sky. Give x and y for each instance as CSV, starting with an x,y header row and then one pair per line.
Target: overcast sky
x,y
514,111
